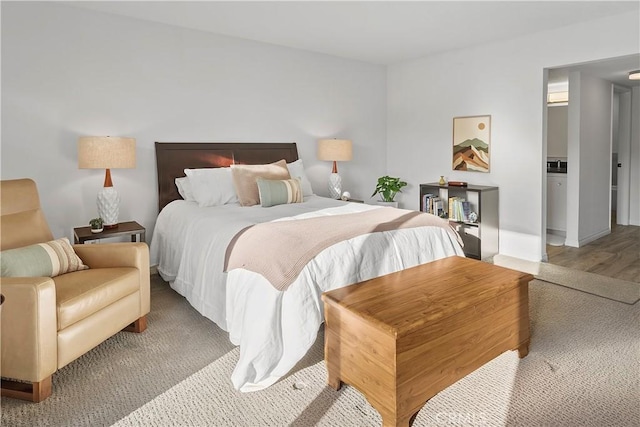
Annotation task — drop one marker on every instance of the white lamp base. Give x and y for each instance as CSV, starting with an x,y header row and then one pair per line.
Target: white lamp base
x,y
335,186
108,206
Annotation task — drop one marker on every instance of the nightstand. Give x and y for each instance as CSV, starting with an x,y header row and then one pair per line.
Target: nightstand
x,y
131,228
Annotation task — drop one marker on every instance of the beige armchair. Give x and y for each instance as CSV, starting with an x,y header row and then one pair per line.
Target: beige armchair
x,y
48,322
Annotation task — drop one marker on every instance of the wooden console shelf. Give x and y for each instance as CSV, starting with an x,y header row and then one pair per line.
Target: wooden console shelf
x,y
480,237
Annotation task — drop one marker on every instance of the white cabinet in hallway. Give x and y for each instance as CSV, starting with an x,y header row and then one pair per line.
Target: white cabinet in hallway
x,y
557,201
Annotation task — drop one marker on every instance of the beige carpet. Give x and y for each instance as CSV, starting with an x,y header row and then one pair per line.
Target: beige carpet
x,y
582,370
128,370
595,284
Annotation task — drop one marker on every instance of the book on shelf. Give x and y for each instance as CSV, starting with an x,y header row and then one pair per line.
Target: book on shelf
x,y
438,208
433,204
459,209
426,200
466,210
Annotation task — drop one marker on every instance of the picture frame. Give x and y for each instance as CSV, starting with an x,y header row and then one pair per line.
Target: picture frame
x,y
471,143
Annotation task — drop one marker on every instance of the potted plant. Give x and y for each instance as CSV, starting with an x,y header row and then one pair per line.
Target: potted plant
x,y
388,187
96,225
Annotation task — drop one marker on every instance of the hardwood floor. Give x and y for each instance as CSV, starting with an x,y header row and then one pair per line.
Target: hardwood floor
x,y
616,255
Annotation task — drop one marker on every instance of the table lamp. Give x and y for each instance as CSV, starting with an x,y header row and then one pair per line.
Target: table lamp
x,y
106,152
335,150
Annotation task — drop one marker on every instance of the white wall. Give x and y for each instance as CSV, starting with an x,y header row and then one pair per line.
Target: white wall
x,y
68,72
589,149
504,80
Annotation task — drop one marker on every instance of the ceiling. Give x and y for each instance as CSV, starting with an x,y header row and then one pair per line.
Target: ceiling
x,y
378,32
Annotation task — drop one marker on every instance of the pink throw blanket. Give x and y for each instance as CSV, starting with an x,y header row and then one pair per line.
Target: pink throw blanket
x,y
279,250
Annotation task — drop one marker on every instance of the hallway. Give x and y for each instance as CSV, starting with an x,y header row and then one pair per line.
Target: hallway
x,y
616,255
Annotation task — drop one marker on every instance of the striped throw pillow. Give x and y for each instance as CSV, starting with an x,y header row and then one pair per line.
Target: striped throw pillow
x,y
279,192
49,259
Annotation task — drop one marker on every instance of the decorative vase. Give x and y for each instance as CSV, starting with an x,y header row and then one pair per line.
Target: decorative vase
x,y
97,230
442,181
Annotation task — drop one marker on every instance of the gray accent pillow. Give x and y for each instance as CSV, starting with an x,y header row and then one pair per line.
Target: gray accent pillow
x,y
279,192
41,260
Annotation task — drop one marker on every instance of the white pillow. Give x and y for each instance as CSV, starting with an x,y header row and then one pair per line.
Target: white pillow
x,y
296,170
184,188
212,186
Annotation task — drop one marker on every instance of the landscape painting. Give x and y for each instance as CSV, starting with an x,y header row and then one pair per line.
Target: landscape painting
x,y
471,139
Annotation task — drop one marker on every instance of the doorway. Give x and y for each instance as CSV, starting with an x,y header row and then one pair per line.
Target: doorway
x,y
595,256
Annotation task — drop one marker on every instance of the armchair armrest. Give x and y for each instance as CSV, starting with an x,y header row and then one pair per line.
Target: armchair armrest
x,y
127,254
29,323
107,255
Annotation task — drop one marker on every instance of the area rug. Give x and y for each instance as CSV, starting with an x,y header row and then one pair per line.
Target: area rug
x,y
606,287
582,370
577,374
595,284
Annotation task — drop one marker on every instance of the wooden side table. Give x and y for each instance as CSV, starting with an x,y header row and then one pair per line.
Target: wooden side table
x,y
131,228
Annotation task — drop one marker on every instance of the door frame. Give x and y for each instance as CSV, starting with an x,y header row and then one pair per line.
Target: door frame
x,y
623,191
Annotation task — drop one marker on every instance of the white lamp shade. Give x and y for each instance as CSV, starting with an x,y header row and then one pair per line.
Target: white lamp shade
x,y
340,150
106,152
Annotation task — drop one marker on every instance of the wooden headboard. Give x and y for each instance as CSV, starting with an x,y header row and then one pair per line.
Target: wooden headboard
x,y
172,158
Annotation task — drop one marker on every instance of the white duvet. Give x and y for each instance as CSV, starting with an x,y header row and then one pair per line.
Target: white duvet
x,y
275,329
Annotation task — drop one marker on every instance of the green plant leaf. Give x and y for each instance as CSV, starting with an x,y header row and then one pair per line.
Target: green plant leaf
x,y
388,187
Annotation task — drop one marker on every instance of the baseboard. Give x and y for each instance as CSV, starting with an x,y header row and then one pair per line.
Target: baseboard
x,y
593,237
153,270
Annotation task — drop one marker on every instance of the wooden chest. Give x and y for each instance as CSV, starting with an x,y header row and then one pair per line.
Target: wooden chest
x,y
402,338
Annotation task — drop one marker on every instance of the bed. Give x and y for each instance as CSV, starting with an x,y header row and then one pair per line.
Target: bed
x,y
274,327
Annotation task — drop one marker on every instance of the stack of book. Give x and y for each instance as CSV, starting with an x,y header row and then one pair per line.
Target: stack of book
x,y
456,208
459,209
433,204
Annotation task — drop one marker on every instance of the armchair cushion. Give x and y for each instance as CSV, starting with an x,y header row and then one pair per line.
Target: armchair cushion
x,y
83,293
48,259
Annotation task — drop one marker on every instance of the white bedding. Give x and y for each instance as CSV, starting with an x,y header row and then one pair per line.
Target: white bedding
x,y
275,329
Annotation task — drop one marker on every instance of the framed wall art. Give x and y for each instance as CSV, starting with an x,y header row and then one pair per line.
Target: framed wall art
x,y
471,141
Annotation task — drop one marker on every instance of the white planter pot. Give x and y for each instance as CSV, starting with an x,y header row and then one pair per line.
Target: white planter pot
x,y
390,204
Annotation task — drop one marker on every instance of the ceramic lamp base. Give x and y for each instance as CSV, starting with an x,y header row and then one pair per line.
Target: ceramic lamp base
x,y
108,206
335,186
